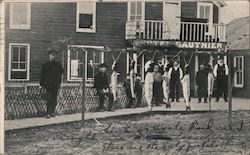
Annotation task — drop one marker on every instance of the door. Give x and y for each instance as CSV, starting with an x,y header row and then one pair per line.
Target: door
x,y
171,17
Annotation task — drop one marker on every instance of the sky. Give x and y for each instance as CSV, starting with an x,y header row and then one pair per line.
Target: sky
x,y
234,9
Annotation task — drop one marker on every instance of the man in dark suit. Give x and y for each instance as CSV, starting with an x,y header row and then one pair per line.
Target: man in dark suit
x,y
51,77
101,83
202,83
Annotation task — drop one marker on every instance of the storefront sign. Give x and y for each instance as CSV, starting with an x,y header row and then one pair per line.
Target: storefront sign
x,y
182,44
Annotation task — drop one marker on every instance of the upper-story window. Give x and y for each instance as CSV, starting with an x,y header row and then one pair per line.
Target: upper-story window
x,y
205,11
76,66
19,61
20,16
136,11
86,17
239,71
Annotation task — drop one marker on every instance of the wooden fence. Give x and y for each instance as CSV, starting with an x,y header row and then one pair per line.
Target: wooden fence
x,y
29,100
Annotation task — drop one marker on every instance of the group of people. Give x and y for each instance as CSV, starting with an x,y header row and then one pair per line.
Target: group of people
x,y
161,84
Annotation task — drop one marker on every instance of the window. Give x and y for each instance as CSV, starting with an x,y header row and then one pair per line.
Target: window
x,y
86,17
205,11
20,15
93,58
19,57
239,71
136,12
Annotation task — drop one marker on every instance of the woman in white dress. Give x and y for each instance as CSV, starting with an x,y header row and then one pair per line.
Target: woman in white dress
x,y
149,81
186,87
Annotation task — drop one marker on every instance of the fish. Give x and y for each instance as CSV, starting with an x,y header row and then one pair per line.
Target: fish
x,y
210,85
114,81
186,86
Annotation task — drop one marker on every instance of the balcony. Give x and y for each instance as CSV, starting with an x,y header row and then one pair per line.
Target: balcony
x,y
182,31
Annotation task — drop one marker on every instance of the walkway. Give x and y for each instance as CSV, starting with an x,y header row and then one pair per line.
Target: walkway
x,y
238,104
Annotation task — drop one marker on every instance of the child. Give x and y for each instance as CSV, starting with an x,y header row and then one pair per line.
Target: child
x,y
186,87
165,86
138,90
126,85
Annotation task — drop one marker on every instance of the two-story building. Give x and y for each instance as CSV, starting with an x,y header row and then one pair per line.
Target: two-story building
x,y
166,26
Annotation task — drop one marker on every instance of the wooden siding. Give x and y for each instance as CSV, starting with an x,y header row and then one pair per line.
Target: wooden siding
x,y
52,20
153,11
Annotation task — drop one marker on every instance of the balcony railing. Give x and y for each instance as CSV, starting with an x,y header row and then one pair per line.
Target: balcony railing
x,y
183,31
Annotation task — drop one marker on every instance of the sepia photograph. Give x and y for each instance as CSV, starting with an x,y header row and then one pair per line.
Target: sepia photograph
x,y
124,77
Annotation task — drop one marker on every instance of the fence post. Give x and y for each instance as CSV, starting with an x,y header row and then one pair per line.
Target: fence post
x,y
83,93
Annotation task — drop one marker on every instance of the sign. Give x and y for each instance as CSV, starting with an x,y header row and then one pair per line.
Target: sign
x,y
182,44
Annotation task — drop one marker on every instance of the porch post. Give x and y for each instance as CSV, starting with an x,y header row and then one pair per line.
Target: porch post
x,y
2,46
196,69
83,93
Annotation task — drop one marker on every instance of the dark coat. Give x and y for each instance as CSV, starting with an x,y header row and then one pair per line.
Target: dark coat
x,y
51,75
202,78
101,81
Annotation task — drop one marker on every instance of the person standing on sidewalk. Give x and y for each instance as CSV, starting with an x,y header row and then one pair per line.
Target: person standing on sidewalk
x,y
202,83
126,85
221,75
157,86
138,90
175,74
101,84
51,77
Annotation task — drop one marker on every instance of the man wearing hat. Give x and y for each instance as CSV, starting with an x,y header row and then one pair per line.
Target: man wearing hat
x,y
221,74
202,83
51,77
101,83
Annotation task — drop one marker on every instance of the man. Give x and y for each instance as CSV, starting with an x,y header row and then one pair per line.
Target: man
x,y
221,75
51,77
101,83
126,85
201,82
157,86
175,74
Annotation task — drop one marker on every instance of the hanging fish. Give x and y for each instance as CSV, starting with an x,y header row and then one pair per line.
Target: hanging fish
x,y
210,79
149,81
165,86
186,87
114,81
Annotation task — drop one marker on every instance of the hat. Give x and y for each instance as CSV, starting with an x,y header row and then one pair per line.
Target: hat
x,y
52,52
103,65
220,57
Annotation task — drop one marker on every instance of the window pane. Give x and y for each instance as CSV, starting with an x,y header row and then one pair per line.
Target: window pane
x,y
18,75
22,66
23,54
15,53
132,18
207,12
19,13
97,57
240,63
14,66
139,8
86,21
201,11
133,7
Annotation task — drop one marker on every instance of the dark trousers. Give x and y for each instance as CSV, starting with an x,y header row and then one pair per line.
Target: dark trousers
x,y
138,94
157,92
129,96
222,87
51,96
174,89
202,92
102,95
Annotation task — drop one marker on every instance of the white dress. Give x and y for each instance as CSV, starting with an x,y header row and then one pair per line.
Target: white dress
x,y
149,80
186,88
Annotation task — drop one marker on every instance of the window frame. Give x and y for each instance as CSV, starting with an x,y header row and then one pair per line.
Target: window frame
x,y
142,9
86,30
199,4
235,77
85,65
20,27
27,62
